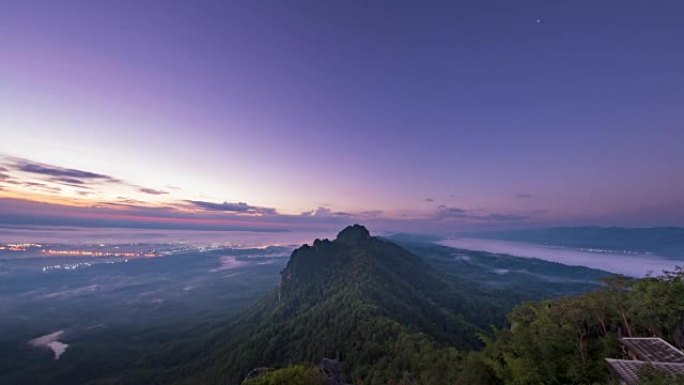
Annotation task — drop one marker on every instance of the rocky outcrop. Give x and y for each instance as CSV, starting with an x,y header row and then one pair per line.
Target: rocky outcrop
x,y
256,372
353,235
310,262
332,370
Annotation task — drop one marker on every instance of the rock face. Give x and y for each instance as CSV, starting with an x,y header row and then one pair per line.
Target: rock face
x,y
332,370
328,366
353,235
307,263
254,373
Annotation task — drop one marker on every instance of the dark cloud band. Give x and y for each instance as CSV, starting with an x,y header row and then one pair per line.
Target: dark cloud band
x,y
239,207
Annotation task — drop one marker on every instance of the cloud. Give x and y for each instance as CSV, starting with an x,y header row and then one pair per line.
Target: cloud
x,y
68,180
505,217
34,184
371,213
23,212
79,179
450,213
56,172
318,212
46,178
322,212
524,196
72,182
326,216
126,212
444,212
132,214
41,186
239,207
151,191
4,176
130,201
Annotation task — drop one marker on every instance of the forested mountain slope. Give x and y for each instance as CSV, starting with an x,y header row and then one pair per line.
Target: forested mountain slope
x,y
566,341
378,308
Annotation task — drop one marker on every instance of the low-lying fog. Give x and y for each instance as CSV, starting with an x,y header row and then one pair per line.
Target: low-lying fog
x,y
635,265
51,341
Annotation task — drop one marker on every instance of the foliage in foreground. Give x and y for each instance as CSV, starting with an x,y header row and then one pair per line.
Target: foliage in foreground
x,y
566,341
292,375
652,376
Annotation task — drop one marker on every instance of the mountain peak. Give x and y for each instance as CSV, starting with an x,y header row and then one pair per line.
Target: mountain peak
x,y
335,298
353,235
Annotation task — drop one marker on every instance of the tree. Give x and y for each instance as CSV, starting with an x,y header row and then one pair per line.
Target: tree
x,y
292,375
649,375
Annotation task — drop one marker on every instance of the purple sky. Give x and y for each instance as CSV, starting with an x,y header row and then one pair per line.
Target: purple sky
x,y
435,116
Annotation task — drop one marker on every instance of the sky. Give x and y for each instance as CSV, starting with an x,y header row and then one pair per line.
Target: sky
x,y
408,116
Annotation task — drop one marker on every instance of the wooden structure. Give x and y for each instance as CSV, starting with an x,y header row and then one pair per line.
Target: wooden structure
x,y
653,352
627,371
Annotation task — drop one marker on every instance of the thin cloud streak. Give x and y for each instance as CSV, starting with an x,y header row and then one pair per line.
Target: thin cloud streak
x,y
43,176
152,191
456,213
239,207
58,173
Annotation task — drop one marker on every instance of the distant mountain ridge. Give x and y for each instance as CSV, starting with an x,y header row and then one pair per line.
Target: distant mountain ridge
x,y
666,241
